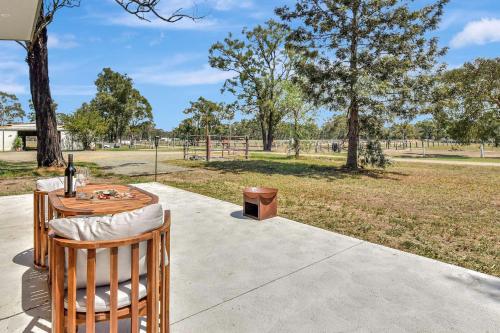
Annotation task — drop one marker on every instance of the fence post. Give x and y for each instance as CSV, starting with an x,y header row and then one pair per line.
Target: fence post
x,y
246,147
185,149
208,144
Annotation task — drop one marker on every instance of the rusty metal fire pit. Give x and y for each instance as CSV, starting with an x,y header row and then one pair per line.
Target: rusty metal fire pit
x,y
260,202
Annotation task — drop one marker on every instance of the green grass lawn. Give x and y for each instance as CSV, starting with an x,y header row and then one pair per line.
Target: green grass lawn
x,y
19,177
449,214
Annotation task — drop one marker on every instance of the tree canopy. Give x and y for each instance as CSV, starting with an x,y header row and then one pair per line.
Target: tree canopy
x,y
86,125
261,62
10,108
368,58
208,115
120,104
294,103
469,104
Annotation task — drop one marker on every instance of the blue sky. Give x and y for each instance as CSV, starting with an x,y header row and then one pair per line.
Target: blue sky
x,y
169,62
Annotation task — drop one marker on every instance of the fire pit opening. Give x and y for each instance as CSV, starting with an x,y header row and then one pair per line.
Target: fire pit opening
x,y
251,210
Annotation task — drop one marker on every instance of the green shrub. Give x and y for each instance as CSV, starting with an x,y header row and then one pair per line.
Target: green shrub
x,y
18,143
372,154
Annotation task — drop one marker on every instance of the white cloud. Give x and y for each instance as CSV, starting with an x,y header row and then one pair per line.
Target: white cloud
x,y
162,75
223,5
67,41
478,33
13,88
157,41
73,90
13,72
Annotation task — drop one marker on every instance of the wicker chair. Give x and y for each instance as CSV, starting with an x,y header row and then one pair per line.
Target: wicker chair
x,y
142,295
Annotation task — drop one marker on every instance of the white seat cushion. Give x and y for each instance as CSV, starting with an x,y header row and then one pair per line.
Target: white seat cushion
x,y
118,226
50,184
102,296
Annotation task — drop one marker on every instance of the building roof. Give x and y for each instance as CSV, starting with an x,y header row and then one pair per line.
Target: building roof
x,y
18,18
24,126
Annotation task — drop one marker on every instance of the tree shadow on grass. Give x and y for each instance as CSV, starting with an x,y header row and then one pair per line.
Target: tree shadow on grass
x,y
16,168
298,168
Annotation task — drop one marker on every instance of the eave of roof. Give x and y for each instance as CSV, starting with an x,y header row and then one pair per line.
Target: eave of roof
x,y
18,19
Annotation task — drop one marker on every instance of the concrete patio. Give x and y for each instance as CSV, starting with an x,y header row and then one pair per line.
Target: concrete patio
x,y
232,274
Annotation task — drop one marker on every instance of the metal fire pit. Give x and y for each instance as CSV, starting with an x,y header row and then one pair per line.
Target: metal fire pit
x,y
260,202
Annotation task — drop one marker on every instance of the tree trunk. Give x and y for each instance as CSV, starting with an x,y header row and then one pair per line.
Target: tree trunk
x,y
264,134
48,143
270,133
353,136
269,141
296,139
353,117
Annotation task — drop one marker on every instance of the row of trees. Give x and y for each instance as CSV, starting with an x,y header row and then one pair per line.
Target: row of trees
x,y
368,59
371,63
48,149
118,110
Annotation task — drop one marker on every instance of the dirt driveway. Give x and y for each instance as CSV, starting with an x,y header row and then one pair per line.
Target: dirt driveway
x,y
131,163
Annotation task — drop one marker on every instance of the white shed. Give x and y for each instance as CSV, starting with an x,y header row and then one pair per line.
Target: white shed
x,y
27,132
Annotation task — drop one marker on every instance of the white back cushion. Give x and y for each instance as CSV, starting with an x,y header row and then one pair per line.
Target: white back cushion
x,y
50,184
118,226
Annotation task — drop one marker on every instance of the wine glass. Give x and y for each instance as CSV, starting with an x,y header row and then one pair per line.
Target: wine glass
x,y
82,176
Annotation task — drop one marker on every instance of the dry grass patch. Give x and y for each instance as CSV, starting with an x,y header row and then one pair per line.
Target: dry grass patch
x,y
449,213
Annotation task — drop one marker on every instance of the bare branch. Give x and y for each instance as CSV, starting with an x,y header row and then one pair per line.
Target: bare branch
x,y
23,44
47,14
143,8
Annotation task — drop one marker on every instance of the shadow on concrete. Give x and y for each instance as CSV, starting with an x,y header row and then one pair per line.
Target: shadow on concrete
x,y
238,214
485,286
303,169
35,294
36,300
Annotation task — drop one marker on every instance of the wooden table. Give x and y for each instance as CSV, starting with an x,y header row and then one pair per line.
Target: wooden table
x,y
64,207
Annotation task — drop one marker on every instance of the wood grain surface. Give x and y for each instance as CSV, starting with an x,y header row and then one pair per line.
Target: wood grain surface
x,y
73,206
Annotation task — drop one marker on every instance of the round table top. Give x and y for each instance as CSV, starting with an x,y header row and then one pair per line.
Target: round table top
x,y
74,206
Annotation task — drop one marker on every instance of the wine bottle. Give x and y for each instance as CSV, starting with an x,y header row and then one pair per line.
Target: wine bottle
x,y
70,179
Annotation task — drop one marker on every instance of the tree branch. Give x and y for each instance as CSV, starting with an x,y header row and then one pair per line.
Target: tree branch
x,y
23,44
141,8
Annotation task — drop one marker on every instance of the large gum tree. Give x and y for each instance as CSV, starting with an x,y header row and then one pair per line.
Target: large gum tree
x,y
372,59
261,64
48,147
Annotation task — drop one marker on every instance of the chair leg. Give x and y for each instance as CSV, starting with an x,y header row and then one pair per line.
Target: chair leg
x,y
43,247
36,240
58,290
